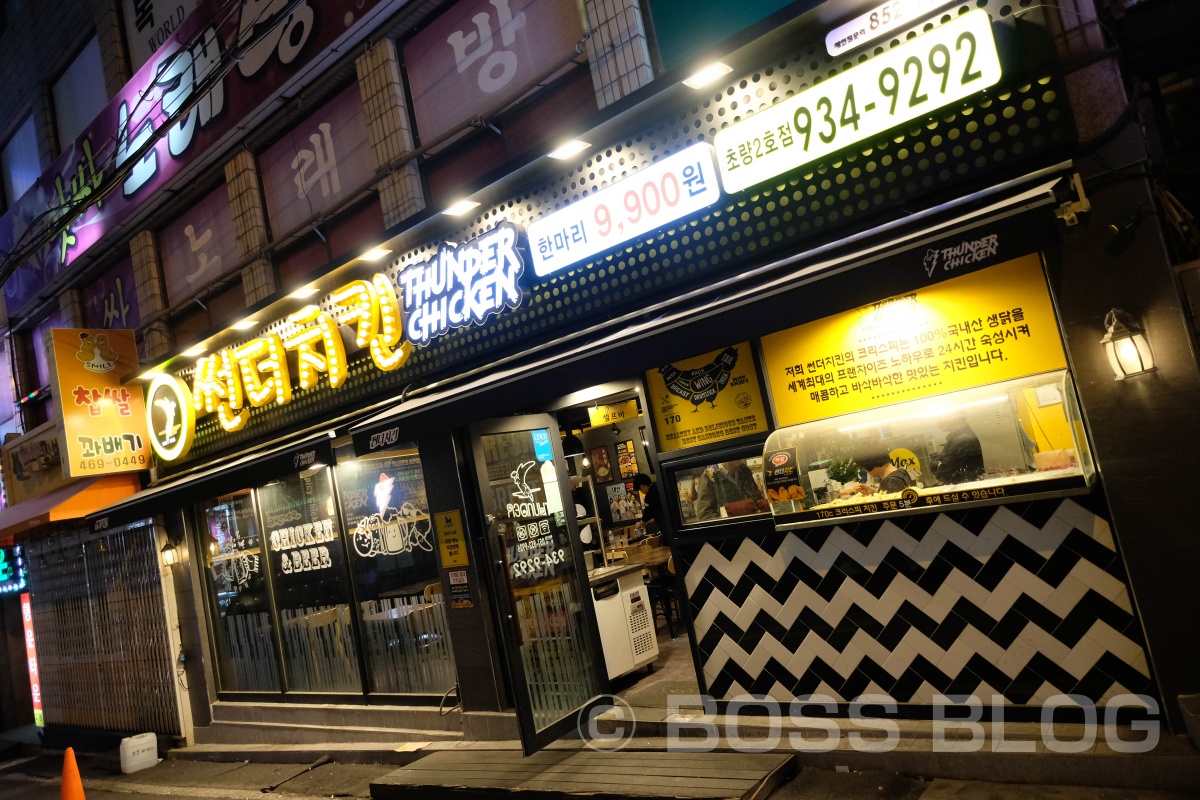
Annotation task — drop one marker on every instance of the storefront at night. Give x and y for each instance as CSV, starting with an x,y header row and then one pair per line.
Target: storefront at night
x,y
851,327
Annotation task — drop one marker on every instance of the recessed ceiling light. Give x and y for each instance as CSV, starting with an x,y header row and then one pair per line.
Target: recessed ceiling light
x,y
571,148
244,324
304,292
374,255
460,208
705,76
195,350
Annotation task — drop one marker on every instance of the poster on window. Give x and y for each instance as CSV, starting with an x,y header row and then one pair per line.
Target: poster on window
x,y
387,519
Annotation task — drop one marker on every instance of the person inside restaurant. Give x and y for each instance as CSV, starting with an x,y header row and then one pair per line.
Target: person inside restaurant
x,y
961,457
648,493
729,485
878,465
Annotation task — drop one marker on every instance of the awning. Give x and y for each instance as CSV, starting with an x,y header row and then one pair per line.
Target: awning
x,y
180,492
73,501
501,387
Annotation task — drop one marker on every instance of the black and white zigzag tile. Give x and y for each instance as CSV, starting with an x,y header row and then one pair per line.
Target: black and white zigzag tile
x,y
1023,601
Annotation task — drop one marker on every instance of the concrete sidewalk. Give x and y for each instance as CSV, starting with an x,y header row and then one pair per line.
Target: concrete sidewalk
x,y
37,778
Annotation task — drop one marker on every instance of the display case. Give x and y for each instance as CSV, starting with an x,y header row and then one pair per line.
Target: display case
x,y
719,486
986,444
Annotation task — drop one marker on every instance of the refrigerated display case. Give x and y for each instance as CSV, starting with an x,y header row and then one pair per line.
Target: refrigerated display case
x,y
1021,437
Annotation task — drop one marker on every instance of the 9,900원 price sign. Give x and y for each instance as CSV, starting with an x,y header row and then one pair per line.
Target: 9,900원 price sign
x,y
673,188
951,62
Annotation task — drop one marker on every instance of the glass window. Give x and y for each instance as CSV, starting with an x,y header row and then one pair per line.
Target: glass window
x,y
241,610
19,160
1017,437
308,574
729,488
394,567
79,95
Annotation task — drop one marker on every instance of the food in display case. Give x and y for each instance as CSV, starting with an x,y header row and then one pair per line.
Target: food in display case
x,y
976,445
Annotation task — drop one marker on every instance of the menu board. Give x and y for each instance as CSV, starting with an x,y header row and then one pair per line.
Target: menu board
x,y
988,326
707,398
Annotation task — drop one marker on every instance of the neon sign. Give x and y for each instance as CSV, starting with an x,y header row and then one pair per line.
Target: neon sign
x,y
462,285
12,569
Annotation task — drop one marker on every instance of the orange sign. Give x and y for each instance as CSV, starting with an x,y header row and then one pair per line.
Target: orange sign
x,y
103,422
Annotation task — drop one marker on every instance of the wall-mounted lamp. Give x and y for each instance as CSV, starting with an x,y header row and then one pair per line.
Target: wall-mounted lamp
x,y
616,430
1126,346
572,445
170,554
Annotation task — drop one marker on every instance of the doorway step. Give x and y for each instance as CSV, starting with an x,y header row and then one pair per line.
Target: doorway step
x,y
583,773
304,724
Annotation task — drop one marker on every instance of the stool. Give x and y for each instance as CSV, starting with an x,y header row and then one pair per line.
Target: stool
x,y
664,599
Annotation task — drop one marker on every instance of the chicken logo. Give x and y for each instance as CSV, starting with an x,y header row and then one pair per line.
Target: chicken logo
x,y
524,490
170,426
704,383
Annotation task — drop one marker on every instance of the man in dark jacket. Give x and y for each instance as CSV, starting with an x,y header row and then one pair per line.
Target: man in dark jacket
x,y
961,459
649,495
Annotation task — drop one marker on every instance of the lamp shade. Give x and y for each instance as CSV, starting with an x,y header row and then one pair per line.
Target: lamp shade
x,y
572,446
170,555
1126,346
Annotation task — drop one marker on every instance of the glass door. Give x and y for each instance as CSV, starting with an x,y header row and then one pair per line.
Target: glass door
x,y
547,619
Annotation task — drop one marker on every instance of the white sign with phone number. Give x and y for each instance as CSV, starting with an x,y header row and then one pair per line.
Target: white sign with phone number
x,y
879,22
910,81
675,187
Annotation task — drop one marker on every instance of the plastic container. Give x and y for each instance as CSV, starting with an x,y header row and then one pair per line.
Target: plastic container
x,y
139,752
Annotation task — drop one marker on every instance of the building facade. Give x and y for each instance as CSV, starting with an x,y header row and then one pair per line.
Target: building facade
x,y
375,294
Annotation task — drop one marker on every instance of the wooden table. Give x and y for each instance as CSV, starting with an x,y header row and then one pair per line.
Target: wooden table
x,y
652,558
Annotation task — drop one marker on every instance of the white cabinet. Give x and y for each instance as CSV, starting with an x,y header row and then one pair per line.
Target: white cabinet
x,y
625,618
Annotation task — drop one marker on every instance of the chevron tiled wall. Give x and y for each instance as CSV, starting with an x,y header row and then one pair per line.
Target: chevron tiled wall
x,y
1023,601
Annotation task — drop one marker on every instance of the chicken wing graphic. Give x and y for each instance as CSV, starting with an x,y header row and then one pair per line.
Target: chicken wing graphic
x,y
705,383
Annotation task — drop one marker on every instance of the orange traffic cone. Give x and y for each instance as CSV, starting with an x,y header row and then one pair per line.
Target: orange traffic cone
x,y
72,786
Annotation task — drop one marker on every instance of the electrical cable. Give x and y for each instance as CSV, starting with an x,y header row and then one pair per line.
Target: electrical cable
x,y
38,234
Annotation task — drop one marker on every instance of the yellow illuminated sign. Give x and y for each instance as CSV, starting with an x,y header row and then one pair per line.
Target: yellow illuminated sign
x,y
606,415
103,422
910,81
259,372
988,326
706,399
170,417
